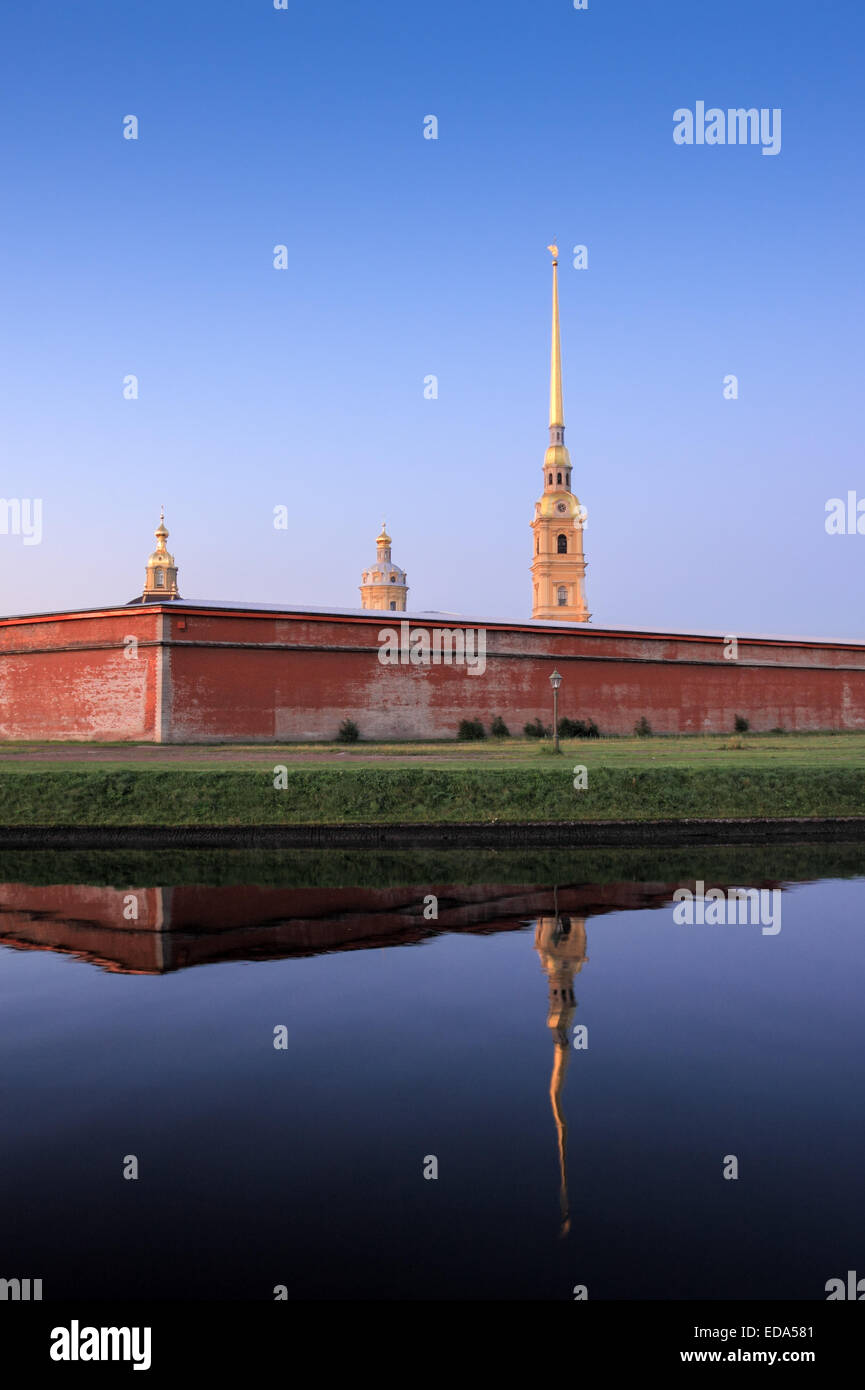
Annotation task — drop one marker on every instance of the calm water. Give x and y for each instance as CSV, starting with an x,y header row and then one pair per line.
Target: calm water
x,y
409,1038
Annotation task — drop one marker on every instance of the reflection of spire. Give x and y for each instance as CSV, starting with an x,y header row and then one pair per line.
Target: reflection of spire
x,y
561,945
561,1060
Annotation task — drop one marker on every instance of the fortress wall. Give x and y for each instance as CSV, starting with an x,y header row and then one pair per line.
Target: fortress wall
x,y
209,675
79,677
298,679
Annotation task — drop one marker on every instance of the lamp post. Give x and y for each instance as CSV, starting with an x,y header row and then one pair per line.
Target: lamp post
x,y
555,682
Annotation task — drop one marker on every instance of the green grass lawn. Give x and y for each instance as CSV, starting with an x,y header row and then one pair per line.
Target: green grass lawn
x,y
716,750
634,779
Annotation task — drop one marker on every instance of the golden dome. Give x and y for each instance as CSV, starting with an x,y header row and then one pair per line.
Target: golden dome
x,y
160,555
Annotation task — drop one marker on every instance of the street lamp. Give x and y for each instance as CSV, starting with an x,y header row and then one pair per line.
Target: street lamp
x,y
555,682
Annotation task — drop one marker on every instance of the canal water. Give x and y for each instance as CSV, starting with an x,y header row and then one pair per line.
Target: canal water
x,y
415,1075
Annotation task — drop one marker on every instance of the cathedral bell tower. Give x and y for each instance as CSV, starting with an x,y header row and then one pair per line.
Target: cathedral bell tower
x,y
558,566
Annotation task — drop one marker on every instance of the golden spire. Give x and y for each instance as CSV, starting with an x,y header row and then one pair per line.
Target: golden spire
x,y
557,414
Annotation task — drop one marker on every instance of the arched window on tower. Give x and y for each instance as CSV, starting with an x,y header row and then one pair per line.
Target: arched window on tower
x,y
160,579
562,544
559,479
550,479
562,596
393,605
537,545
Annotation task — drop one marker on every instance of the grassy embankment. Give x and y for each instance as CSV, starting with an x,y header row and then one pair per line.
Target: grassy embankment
x,y
628,779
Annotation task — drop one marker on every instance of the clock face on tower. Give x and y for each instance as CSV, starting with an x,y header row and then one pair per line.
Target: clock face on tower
x,y
561,506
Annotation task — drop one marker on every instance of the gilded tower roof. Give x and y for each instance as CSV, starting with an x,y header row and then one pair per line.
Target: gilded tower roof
x,y
161,556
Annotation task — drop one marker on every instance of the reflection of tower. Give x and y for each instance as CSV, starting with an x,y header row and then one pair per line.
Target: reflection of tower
x,y
560,941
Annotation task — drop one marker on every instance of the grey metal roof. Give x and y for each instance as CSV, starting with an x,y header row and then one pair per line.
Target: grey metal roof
x,y
461,619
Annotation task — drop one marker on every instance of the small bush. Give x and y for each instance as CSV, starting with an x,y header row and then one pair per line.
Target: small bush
x,y
643,728
499,728
578,728
348,732
470,729
536,730
778,730
740,724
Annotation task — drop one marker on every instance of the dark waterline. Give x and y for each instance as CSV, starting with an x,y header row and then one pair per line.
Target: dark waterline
x,y
410,1038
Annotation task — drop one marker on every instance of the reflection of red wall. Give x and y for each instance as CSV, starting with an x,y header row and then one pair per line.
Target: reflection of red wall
x,y
179,927
222,675
86,921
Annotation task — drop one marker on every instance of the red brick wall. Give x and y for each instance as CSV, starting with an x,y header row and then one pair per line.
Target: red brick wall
x,y
265,690
69,678
260,677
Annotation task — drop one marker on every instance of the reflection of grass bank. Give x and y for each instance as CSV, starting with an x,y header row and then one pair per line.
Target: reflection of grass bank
x,y
370,868
96,795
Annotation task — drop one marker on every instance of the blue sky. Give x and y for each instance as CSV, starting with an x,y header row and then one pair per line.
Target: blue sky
x,y
406,257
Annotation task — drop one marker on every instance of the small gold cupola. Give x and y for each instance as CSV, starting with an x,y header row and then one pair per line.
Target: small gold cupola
x,y
160,576
383,584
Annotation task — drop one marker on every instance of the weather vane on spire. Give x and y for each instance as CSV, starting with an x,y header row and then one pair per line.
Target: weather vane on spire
x,y
555,253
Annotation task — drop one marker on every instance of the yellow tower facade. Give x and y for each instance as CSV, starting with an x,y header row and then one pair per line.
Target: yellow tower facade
x,y
160,576
384,585
558,563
